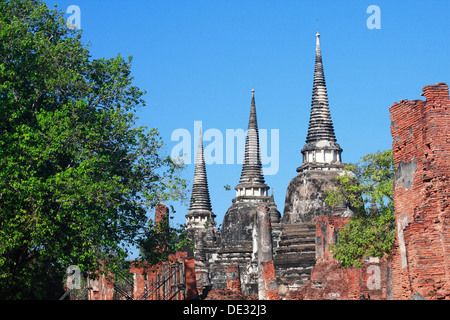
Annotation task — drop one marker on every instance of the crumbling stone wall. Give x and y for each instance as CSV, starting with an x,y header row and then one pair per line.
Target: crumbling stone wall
x,y
421,148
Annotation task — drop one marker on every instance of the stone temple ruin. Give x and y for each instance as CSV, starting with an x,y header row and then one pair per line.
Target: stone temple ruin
x,y
259,254
253,230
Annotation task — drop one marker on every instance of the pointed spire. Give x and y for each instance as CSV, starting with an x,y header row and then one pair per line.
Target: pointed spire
x,y
252,167
321,148
200,200
320,124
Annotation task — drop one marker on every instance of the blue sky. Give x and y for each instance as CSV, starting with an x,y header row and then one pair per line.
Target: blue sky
x,y
198,61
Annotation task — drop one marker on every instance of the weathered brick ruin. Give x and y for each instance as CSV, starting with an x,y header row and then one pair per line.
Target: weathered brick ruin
x,y
329,281
174,279
421,148
260,255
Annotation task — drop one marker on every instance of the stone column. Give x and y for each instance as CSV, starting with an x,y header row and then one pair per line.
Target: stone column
x,y
264,245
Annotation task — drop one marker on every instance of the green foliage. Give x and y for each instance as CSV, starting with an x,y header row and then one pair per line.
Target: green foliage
x,y
367,189
77,177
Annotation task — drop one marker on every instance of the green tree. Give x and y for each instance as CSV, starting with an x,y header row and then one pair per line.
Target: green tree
x,y
77,175
367,188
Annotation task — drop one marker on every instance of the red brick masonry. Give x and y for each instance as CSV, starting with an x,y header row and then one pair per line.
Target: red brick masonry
x,y
421,147
270,280
234,279
330,282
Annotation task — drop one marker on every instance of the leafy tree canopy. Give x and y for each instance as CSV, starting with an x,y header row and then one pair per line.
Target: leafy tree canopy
x,y
367,188
77,176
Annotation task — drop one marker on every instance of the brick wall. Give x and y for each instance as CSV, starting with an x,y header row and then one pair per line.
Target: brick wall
x,y
270,280
329,281
144,276
102,288
233,279
327,232
421,148
190,278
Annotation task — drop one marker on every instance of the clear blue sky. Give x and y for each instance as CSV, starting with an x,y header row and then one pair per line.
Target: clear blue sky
x,y
198,61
